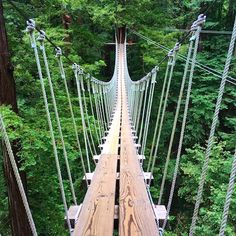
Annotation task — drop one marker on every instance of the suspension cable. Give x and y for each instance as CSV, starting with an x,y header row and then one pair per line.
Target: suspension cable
x,y
63,76
212,132
153,82
17,176
228,196
195,37
205,68
171,65
41,39
87,116
30,29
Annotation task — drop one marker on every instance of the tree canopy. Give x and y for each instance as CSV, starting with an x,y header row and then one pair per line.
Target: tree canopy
x,y
82,28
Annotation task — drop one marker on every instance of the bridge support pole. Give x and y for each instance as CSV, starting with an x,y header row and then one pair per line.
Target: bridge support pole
x,y
17,214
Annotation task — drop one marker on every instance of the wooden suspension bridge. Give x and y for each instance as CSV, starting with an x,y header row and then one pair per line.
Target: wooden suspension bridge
x,y
118,199
119,160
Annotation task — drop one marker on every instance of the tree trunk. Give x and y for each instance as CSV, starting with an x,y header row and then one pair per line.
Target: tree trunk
x,y
17,214
231,13
121,34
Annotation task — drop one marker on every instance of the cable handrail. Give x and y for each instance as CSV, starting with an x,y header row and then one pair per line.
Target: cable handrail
x,y
206,68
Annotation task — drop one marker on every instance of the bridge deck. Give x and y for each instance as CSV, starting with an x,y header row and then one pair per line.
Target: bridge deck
x,y
98,209
136,216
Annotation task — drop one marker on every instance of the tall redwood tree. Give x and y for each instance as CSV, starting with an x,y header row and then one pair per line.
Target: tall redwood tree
x,y
17,214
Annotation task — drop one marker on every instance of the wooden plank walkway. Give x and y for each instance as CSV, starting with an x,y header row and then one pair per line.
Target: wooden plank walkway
x,y
136,216
97,213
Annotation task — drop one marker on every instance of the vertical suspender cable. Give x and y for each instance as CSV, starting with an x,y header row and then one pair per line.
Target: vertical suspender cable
x,y
212,132
103,91
158,116
144,107
136,103
100,108
149,108
30,30
92,109
87,116
228,197
105,121
175,121
100,125
41,39
100,105
63,76
140,105
81,74
76,72
195,37
171,63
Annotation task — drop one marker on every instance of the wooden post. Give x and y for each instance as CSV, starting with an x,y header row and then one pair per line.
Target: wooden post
x,y
17,214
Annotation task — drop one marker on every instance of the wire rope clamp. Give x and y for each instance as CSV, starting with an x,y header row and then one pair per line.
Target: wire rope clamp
x,y
177,47
41,38
30,30
58,52
149,75
30,26
197,24
154,74
171,57
171,53
75,68
143,86
87,78
80,70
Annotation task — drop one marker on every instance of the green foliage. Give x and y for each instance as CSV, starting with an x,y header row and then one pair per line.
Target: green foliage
x,y
215,187
92,25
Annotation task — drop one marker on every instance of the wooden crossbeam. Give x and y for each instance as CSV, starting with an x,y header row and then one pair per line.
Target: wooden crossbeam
x,y
147,176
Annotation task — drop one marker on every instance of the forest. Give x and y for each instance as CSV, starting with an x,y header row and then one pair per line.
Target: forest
x,y
85,30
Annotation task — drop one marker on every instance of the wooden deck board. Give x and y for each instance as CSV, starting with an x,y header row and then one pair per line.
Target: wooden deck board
x,y
97,213
136,216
